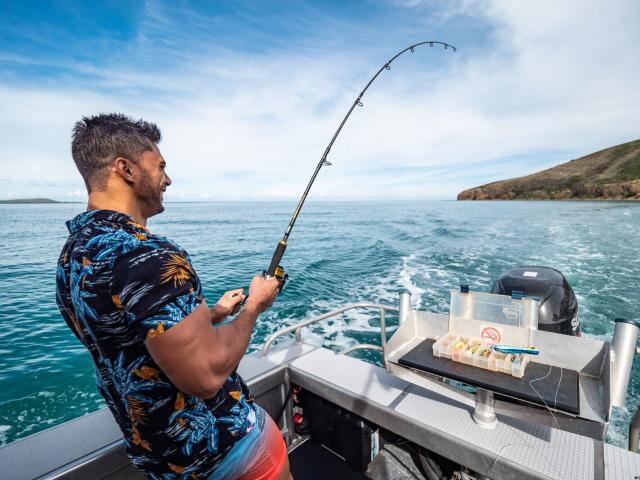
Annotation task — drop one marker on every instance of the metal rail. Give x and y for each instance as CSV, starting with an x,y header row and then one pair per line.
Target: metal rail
x,y
634,429
297,328
364,346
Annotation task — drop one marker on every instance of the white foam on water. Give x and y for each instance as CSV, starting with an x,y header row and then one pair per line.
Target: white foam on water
x,y
620,418
415,274
4,429
338,332
406,278
380,289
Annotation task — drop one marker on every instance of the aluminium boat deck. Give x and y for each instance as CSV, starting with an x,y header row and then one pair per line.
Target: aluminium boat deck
x,y
436,418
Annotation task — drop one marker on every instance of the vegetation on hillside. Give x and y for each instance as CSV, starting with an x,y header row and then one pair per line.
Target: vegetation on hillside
x,y
610,174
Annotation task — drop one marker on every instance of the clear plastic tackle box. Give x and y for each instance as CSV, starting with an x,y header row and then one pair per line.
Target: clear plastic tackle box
x,y
479,320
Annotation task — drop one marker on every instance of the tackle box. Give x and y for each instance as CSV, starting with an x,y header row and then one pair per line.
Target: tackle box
x,y
479,320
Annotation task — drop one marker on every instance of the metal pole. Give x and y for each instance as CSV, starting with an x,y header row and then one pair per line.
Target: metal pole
x,y
383,330
633,431
405,306
483,414
623,346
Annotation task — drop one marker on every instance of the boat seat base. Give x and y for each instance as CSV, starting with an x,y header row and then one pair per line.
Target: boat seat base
x,y
311,461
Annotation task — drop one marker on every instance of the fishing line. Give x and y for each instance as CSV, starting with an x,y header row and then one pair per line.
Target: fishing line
x,y
540,396
525,443
495,460
555,399
275,270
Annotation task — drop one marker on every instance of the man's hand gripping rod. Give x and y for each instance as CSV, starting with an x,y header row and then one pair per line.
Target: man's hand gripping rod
x,y
275,270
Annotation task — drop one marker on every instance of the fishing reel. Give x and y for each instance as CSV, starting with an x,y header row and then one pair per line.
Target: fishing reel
x,y
279,274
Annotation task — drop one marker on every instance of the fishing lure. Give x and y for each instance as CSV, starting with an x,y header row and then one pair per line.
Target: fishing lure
x,y
515,350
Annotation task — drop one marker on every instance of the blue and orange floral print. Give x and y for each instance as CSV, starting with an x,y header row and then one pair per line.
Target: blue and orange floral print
x,y
117,286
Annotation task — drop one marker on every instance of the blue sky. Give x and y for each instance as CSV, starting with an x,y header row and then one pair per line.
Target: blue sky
x,y
248,94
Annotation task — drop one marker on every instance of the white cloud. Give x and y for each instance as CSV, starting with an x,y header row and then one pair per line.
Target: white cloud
x,y
554,82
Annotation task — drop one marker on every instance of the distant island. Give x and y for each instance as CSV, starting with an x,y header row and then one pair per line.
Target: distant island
x,y
29,200
610,174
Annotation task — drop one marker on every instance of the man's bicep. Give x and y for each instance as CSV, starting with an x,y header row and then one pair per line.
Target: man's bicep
x,y
182,354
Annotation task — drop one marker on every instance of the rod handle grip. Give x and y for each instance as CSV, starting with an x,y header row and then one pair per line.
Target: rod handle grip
x,y
277,257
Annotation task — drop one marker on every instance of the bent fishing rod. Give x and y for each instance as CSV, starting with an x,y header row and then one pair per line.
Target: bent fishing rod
x,y
275,270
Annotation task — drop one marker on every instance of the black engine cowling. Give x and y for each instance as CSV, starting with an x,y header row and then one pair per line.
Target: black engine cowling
x,y
558,312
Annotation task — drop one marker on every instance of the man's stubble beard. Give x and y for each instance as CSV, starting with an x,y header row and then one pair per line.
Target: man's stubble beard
x,y
150,198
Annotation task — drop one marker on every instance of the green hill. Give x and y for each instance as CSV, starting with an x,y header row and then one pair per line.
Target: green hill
x,y
610,174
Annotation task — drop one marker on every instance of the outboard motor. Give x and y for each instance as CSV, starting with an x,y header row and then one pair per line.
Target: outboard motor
x,y
558,312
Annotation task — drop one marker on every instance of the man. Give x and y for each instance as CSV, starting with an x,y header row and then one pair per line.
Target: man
x,y
165,369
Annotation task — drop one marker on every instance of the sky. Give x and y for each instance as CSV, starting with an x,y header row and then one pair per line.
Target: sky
x,y
248,94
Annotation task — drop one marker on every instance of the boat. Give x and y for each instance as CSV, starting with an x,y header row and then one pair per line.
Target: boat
x,y
407,416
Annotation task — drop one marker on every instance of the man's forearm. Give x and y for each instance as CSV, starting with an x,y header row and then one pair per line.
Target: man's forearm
x,y
233,339
217,315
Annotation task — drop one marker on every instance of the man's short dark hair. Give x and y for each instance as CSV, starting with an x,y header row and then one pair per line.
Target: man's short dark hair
x,y
98,140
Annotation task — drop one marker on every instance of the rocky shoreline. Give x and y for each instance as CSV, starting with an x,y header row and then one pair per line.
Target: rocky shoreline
x,y
610,174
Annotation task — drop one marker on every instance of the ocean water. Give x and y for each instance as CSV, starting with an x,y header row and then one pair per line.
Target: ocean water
x,y
339,253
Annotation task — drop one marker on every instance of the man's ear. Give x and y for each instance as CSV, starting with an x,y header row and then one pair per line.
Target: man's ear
x,y
127,169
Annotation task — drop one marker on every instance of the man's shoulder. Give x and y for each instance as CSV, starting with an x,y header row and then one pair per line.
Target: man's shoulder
x,y
149,257
166,243
105,242
123,251
155,247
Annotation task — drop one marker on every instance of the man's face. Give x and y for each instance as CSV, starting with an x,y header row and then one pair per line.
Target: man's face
x,y
153,182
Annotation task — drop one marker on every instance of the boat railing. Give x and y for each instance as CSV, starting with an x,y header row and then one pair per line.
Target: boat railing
x,y
634,431
297,328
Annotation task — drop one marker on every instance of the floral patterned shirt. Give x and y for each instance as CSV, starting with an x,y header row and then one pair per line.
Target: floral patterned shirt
x,y
117,286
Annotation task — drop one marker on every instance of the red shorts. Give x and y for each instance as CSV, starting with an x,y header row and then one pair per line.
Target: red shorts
x,y
260,455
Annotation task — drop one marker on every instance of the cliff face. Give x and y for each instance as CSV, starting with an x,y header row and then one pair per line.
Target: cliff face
x,y
610,174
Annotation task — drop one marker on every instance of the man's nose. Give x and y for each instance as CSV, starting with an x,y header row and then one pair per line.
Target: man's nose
x,y
167,180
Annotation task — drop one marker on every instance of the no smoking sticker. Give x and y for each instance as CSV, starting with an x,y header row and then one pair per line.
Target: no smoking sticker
x,y
490,334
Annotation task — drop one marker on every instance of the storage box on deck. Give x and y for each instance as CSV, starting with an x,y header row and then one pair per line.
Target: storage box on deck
x,y
342,432
483,319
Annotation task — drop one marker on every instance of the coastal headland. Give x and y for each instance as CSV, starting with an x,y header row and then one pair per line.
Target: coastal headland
x,y
610,174
15,201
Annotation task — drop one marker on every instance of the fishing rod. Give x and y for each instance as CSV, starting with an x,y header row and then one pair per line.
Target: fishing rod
x,y
275,270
